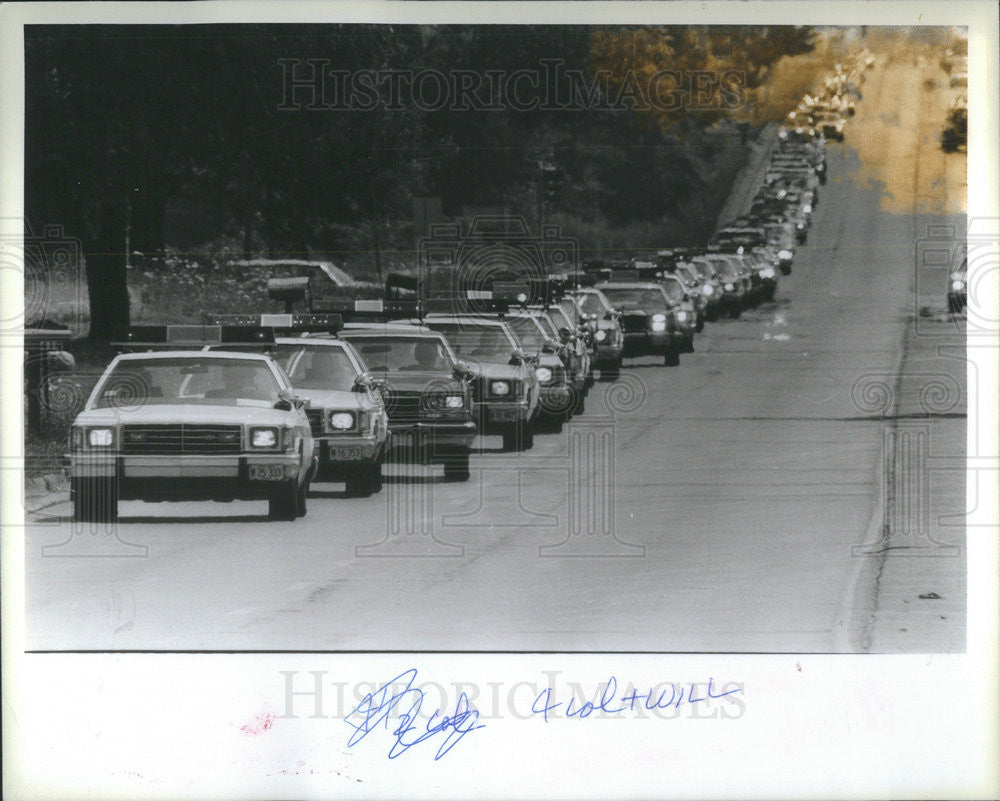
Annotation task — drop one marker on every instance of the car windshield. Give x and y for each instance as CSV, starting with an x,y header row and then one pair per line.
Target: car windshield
x,y
629,298
688,273
551,330
389,353
569,308
590,303
477,341
527,332
198,380
558,319
672,286
704,268
725,270
317,366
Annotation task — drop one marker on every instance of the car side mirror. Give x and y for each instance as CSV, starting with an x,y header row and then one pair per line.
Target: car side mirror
x,y
609,316
549,346
288,400
518,357
461,370
565,333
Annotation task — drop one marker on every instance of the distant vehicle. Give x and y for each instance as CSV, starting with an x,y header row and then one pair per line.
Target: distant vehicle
x,y
608,336
647,319
958,282
192,426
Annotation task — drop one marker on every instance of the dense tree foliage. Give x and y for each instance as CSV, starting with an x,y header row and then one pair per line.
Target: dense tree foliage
x,y
280,139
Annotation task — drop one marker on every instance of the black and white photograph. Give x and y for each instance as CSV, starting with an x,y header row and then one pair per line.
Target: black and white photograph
x,y
401,334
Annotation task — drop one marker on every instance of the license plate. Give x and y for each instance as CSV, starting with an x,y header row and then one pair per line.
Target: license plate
x,y
266,472
344,453
503,415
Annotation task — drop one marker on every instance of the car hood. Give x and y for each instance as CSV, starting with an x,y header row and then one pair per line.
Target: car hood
x,y
495,370
194,414
330,398
417,381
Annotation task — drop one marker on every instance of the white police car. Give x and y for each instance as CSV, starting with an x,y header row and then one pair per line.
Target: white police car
x,y
191,425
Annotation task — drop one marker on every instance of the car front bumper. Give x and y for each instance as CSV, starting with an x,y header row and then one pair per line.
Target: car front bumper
x,y
651,343
495,416
431,441
191,477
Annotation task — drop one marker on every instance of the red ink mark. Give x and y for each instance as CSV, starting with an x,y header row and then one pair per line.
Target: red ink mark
x,y
259,724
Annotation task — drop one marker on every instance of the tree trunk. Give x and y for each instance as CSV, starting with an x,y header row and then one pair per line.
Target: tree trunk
x,y
107,282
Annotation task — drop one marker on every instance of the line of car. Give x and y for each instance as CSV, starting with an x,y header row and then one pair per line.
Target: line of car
x,y
260,406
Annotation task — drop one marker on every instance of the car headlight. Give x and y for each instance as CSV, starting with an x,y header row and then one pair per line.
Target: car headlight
x,y
659,318
784,254
544,374
601,335
729,287
101,437
800,226
767,272
708,289
499,388
341,421
682,316
454,401
807,208
958,286
264,438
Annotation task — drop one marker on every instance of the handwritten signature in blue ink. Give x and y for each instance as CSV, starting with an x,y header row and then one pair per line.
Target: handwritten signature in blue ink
x,y
544,704
376,708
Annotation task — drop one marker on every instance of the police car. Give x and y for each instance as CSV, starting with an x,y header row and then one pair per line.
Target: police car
x,y
427,392
344,402
506,388
191,425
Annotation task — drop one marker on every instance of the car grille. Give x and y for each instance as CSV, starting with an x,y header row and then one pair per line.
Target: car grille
x,y
632,323
315,421
403,407
181,439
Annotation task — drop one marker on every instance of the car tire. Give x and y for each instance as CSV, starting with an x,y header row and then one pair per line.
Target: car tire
x,y
672,358
735,311
457,467
518,437
612,372
300,500
283,506
95,501
361,483
688,345
580,406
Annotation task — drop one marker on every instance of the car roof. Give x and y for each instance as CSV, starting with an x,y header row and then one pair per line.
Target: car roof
x,y
399,327
465,319
192,354
628,285
311,340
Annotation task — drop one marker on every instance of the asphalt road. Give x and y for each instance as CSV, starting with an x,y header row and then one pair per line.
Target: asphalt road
x,y
710,507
